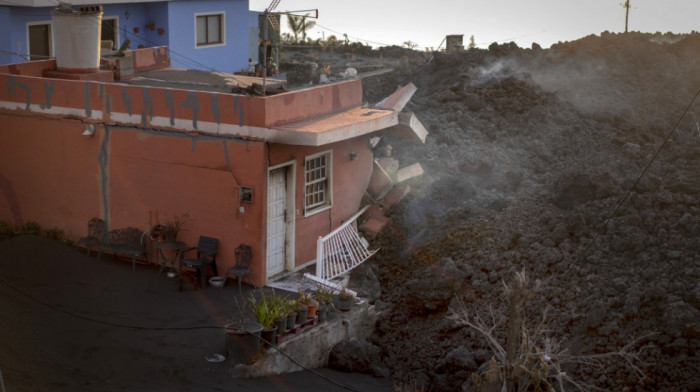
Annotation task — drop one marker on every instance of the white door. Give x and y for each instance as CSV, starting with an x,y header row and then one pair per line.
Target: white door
x,y
276,236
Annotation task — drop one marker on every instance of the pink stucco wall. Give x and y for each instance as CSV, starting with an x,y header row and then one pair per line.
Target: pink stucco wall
x,y
138,174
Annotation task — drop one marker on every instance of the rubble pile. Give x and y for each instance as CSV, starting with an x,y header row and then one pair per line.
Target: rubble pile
x,y
537,161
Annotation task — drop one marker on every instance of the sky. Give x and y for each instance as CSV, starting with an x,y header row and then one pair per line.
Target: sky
x,y
546,22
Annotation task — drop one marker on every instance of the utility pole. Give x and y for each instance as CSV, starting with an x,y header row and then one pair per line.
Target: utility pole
x,y
627,12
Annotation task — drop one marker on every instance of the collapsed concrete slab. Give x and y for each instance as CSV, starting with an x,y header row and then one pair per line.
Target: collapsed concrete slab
x,y
390,166
374,222
380,183
409,128
398,99
394,196
409,172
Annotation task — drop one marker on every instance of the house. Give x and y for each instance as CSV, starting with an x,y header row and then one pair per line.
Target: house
x,y
216,35
275,172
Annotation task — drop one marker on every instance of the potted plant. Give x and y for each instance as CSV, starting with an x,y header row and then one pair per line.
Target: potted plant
x,y
266,314
291,315
242,341
345,300
310,303
301,311
172,227
324,296
157,233
281,304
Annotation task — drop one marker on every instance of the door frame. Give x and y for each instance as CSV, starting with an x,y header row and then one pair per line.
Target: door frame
x,y
50,43
115,44
290,214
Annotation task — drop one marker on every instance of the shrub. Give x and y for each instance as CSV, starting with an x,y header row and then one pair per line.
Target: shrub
x,y
30,228
6,231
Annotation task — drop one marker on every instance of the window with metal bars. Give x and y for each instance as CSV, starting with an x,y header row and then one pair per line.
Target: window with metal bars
x,y
317,182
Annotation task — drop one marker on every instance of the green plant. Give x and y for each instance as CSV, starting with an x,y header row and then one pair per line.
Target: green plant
x,y
30,228
306,299
173,226
280,304
54,234
345,293
323,294
264,310
6,231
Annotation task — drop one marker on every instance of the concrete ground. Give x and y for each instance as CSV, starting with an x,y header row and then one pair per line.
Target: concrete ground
x,y
70,323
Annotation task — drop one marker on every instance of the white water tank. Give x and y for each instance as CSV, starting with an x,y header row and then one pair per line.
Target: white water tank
x,y
77,38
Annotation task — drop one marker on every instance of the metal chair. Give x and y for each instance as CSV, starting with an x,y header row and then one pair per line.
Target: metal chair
x,y
97,228
244,254
206,254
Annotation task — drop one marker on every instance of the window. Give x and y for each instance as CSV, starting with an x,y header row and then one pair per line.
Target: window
x,y
39,40
209,29
317,182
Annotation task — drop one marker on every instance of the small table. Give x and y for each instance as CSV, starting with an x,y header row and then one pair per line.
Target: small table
x,y
174,248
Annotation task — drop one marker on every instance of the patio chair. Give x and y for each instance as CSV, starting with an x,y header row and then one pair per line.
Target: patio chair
x,y
206,254
97,228
244,253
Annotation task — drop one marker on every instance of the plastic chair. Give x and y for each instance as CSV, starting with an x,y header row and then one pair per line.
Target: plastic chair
x,y
244,254
96,230
206,254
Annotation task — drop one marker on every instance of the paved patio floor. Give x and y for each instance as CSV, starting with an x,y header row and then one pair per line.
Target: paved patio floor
x,y
71,323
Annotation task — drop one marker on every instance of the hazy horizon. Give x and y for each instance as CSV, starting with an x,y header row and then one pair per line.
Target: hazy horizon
x,y
392,22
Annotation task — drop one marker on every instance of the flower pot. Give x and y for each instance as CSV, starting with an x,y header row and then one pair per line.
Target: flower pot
x,y
242,341
311,313
217,281
160,31
322,312
291,320
136,29
345,303
281,323
269,335
302,312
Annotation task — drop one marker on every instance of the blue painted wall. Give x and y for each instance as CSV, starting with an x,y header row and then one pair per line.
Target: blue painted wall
x,y
233,56
13,30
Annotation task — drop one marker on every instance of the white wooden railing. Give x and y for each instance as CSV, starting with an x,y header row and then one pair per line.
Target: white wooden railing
x,y
341,250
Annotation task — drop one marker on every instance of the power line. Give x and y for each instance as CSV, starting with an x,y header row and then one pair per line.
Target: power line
x,y
349,36
639,178
142,328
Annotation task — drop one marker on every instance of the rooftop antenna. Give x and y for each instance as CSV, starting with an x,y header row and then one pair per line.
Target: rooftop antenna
x,y
274,22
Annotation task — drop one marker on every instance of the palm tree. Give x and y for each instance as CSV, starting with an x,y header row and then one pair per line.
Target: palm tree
x,y
626,5
299,26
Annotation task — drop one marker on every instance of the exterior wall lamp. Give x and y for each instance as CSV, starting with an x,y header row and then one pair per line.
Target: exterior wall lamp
x,y
353,156
89,131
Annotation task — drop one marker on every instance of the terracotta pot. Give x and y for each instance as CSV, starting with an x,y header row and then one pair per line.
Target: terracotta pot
x,y
161,31
311,313
136,29
152,26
